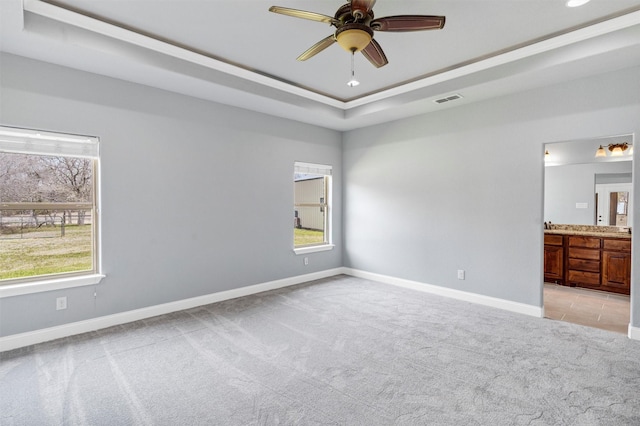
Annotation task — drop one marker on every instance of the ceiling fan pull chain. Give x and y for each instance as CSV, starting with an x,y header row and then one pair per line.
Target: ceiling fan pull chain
x,y
353,82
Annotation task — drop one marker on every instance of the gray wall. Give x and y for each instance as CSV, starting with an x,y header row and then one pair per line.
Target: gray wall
x,y
463,188
564,186
196,197
423,197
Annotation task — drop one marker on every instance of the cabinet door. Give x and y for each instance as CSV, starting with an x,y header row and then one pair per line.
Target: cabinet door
x,y
553,263
616,269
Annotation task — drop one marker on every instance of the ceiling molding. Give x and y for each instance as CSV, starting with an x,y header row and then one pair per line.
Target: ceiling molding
x,y
75,19
563,40
182,70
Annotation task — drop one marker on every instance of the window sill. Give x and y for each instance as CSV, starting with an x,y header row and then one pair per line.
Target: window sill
x,y
11,290
313,249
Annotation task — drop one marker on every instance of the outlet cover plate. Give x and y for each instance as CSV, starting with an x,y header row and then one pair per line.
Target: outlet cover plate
x,y
61,303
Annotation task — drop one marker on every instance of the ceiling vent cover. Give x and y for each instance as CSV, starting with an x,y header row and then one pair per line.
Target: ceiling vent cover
x,y
448,98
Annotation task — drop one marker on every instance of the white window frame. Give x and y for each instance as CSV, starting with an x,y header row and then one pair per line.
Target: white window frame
x,y
36,142
326,171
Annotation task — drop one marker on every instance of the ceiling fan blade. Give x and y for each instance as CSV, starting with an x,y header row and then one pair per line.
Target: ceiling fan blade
x,y
363,6
317,48
304,14
373,52
408,23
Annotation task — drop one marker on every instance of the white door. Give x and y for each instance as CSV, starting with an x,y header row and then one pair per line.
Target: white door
x,y
618,214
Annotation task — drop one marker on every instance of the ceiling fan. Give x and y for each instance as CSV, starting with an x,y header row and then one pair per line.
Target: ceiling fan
x,y
355,25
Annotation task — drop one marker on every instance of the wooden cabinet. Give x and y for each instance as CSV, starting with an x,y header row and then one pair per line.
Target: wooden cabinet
x,y
599,263
616,265
553,259
583,260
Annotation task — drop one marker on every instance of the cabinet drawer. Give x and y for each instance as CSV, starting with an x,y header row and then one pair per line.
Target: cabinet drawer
x,y
584,265
617,244
584,277
588,242
580,253
553,240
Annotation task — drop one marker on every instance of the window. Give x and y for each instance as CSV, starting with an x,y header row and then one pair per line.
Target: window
x,y
312,209
48,214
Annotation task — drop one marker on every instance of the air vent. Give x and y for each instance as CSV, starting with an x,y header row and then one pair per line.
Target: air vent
x,y
448,98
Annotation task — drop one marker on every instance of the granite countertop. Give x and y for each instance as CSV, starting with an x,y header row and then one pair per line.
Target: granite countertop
x,y
590,231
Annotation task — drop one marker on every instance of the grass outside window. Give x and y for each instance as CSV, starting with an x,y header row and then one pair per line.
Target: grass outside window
x,y
307,237
42,252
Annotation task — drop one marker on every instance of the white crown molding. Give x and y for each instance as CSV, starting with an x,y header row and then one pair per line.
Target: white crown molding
x,y
119,34
97,26
563,40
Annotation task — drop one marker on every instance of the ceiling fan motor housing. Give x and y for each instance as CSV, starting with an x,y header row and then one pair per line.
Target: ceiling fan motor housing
x,y
346,15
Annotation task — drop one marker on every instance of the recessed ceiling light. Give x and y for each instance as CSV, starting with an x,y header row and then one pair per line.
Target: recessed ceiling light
x,y
576,3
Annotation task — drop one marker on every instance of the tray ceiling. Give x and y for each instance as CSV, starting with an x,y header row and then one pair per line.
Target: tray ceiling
x,y
237,52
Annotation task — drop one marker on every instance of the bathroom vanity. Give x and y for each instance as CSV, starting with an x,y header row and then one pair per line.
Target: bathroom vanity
x,y
596,257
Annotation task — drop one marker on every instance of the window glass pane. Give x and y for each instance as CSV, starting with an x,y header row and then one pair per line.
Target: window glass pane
x,y
46,215
43,242
42,178
310,219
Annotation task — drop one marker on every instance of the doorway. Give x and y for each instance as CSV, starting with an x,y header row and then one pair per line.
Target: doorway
x,y
585,192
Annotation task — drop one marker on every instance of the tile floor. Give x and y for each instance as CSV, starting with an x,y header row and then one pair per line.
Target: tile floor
x,y
598,309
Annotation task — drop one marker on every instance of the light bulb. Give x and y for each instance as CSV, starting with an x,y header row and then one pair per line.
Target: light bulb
x,y
576,3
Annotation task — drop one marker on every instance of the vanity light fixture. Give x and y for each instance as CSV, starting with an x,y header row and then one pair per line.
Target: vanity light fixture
x,y
616,149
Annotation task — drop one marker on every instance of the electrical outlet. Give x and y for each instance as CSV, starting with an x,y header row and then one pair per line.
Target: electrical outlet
x,y
306,261
461,274
61,303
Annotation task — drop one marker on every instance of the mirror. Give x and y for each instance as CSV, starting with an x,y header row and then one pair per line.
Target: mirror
x,y
613,204
582,189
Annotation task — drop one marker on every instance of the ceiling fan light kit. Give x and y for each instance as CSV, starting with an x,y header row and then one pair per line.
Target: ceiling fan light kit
x,y
354,37
355,25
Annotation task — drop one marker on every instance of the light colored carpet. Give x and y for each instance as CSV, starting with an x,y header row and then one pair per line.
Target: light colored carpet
x,y
339,351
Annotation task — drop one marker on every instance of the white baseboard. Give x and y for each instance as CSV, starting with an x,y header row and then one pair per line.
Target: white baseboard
x,y
15,341
507,305
634,332
38,336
